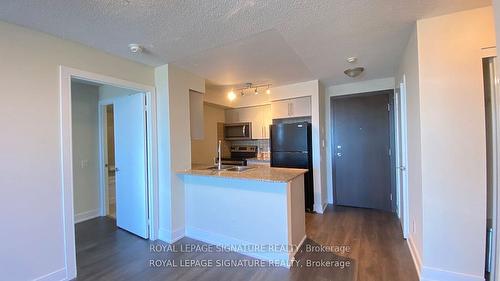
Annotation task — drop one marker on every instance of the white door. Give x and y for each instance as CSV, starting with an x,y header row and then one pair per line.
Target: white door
x,y
402,157
131,164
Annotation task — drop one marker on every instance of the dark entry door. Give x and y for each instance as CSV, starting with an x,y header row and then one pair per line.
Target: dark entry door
x,y
361,165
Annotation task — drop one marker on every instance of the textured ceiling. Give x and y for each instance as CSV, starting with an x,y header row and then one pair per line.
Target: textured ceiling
x,y
234,41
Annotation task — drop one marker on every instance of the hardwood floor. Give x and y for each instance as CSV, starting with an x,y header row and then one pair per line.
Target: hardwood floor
x,y
376,252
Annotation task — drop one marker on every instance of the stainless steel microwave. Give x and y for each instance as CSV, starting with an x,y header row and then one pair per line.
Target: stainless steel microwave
x,y
238,131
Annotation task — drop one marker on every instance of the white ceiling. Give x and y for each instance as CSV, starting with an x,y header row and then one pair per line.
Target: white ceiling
x,y
235,41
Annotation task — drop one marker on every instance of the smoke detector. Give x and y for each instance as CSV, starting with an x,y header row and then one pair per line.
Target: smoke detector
x,y
352,59
135,48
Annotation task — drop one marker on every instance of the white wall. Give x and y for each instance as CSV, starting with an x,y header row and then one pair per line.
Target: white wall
x,y
453,142
30,144
345,89
84,105
409,69
203,151
174,140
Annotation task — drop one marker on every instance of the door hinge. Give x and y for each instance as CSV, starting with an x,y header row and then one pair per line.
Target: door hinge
x,y
388,107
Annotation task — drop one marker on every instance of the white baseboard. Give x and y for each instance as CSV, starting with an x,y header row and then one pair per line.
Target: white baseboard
x,y
436,274
225,241
300,245
57,275
415,256
83,216
170,236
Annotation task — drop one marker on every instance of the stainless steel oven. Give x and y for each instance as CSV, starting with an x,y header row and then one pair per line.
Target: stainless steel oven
x,y
238,131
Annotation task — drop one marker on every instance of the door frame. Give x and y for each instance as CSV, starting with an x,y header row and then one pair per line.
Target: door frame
x,y
103,155
391,136
401,149
65,76
489,52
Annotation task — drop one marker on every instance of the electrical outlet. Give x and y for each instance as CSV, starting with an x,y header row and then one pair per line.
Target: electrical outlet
x,y
84,164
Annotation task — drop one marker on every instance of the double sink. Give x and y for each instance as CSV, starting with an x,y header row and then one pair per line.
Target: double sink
x,y
231,168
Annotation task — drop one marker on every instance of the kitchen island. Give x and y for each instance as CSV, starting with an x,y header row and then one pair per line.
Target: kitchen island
x,y
258,212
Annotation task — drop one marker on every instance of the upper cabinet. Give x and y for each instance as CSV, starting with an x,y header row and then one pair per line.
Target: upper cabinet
x,y
268,120
262,116
259,116
289,108
238,115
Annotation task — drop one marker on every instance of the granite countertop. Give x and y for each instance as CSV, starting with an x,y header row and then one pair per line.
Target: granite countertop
x,y
263,173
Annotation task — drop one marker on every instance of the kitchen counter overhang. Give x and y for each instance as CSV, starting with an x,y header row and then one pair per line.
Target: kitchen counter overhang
x,y
262,173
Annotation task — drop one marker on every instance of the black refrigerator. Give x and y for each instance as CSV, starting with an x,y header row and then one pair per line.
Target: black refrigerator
x,y
291,147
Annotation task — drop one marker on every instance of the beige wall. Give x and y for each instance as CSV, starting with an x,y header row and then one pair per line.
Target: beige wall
x,y
30,143
203,151
84,104
453,140
409,69
174,143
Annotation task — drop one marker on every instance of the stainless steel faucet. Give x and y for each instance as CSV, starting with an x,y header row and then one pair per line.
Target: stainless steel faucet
x,y
219,155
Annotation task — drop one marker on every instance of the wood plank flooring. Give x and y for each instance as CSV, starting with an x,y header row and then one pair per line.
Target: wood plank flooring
x,y
377,252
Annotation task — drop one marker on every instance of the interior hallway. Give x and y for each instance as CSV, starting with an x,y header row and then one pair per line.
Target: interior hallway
x,y
377,252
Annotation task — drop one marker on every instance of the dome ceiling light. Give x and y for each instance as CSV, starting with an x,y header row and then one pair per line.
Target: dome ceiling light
x,y
354,72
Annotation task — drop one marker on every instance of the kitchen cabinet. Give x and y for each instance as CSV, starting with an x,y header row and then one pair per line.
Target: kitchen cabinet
x,y
267,120
290,108
259,116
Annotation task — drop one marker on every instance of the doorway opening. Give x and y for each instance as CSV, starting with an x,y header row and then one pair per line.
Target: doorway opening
x,y
110,161
109,150
362,127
